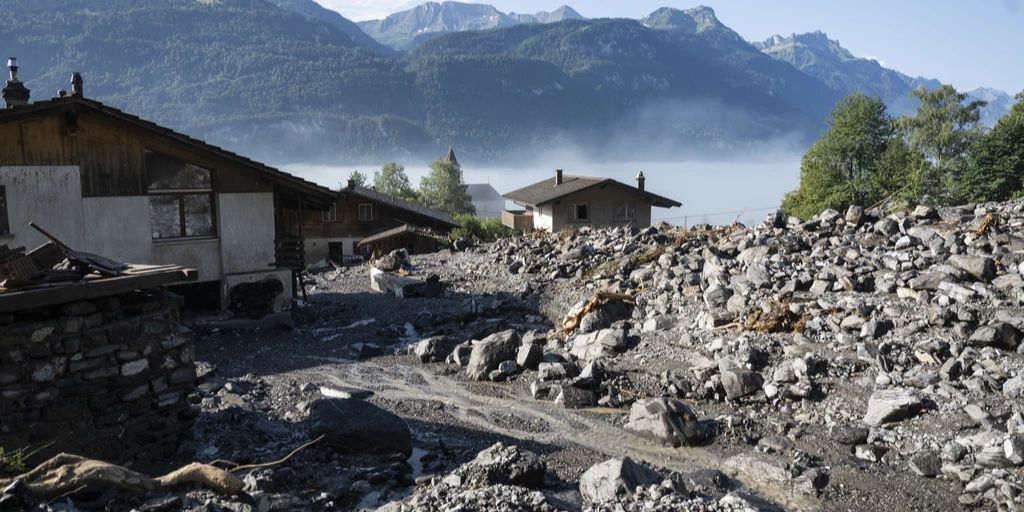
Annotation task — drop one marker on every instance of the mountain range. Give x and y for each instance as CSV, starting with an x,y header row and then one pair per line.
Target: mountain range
x,y
289,80
407,29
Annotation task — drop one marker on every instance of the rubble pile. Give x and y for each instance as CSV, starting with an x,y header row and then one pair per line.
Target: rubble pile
x,y
898,338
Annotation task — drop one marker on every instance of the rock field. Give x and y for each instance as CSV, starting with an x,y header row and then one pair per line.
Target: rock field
x,y
849,362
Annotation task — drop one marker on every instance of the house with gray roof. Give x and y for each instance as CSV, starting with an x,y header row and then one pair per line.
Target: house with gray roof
x,y
361,212
488,202
565,201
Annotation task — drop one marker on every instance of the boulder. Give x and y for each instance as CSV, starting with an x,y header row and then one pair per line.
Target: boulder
x,y
667,420
614,478
739,382
981,268
489,352
430,350
603,343
500,465
392,261
355,426
891,405
529,356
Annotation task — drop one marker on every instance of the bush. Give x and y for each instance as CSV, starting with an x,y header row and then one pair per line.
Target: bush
x,y
486,230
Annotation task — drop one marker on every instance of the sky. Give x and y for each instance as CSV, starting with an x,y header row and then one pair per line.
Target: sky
x,y
965,43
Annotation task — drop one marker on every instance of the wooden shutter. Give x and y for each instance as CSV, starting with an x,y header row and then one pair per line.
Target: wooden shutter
x,y
5,226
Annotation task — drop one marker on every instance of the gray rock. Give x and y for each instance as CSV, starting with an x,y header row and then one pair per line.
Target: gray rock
x,y
716,296
999,334
667,420
891,405
529,356
429,350
489,352
926,463
572,397
981,268
1013,449
392,261
551,372
500,465
356,426
615,478
603,343
739,382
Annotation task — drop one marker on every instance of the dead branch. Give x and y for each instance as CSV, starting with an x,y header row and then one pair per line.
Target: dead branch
x,y
282,460
572,322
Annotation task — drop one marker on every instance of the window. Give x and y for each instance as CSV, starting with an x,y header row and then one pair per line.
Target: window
x,y
5,225
623,212
579,212
180,198
330,215
365,212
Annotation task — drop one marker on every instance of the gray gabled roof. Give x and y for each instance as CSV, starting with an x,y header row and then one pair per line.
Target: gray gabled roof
x,y
546,191
380,197
483,192
400,230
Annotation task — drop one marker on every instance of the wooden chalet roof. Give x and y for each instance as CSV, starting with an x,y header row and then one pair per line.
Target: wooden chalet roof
x,y
546,191
314,195
373,195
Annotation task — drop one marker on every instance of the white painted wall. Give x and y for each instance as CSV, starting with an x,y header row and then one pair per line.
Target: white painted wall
x,y
246,227
51,197
543,217
119,227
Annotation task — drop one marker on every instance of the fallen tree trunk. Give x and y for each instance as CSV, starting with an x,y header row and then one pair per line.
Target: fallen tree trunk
x,y
65,474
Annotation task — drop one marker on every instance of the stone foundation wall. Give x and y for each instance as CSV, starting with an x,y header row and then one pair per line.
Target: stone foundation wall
x,y
108,378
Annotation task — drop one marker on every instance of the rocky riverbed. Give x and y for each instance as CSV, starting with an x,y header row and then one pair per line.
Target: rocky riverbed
x,y
849,362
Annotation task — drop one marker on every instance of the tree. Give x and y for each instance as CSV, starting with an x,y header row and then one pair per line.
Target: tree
x,y
943,130
995,164
443,189
392,180
358,178
850,163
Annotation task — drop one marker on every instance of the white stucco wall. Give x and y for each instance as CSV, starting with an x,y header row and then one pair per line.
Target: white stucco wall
x,y
246,223
49,196
542,217
119,227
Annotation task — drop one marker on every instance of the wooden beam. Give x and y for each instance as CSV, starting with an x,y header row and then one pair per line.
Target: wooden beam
x,y
20,300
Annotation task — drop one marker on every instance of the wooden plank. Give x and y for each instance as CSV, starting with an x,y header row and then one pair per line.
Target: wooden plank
x,y
50,296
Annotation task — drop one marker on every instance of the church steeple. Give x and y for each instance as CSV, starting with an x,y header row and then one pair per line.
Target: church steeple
x,y
451,156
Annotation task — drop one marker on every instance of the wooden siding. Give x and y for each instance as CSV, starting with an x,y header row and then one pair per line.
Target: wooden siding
x,y
348,224
110,152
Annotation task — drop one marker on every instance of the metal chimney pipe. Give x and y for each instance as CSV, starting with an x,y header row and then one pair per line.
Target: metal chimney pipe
x,y
640,180
77,89
558,177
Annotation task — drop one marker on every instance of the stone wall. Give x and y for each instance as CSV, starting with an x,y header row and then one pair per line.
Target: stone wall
x,y
108,378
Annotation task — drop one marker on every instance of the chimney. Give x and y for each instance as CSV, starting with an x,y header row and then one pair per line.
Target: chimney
x,y
15,93
351,183
640,180
76,85
558,177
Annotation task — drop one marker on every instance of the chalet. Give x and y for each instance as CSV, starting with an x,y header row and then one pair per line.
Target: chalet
x,y
575,201
360,212
110,183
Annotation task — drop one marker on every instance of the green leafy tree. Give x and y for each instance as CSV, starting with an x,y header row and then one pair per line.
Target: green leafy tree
x,y
392,180
358,178
995,164
487,230
443,189
943,129
851,163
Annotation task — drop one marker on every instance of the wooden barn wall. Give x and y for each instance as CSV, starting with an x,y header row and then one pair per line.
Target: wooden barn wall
x,y
348,224
110,153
